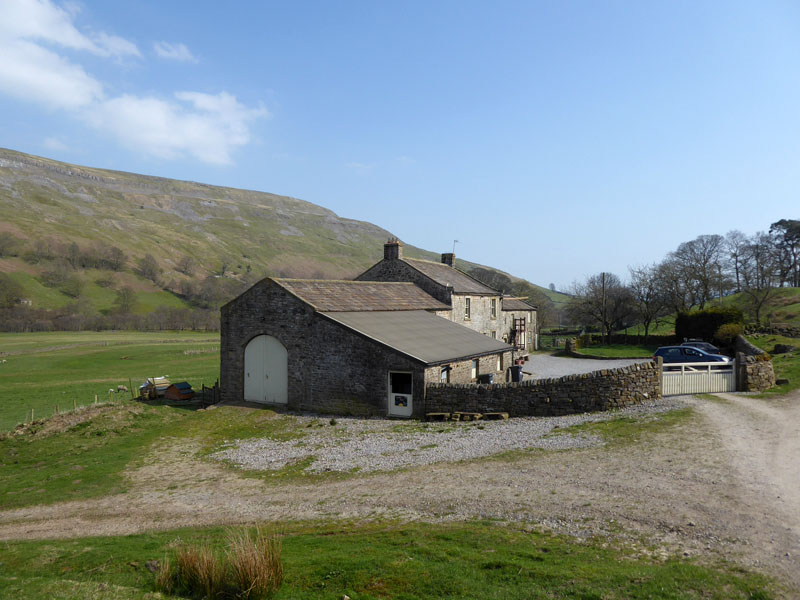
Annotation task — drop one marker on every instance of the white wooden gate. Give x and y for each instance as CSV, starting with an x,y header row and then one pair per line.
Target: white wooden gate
x,y
266,372
698,378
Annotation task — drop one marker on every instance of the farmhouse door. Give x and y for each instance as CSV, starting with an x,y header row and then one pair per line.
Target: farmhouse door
x,y
401,394
266,371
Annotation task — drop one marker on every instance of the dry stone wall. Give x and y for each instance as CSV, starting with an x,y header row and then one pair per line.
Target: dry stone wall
x,y
754,371
601,390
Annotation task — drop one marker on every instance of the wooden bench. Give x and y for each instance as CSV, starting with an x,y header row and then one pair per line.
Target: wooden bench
x,y
466,416
437,416
495,416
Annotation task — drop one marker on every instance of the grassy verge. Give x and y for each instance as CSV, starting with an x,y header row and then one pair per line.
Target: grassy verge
x,y
628,430
85,454
619,351
786,365
380,560
45,371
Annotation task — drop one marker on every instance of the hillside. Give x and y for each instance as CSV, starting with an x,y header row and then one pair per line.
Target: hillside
x,y
193,231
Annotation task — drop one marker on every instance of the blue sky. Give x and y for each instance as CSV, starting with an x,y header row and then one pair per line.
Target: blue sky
x,y
554,140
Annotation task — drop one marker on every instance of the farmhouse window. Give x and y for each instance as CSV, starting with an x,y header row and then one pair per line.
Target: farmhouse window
x,y
475,369
467,308
493,310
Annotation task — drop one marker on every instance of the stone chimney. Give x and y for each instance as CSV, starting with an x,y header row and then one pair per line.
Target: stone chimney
x,y
393,249
449,258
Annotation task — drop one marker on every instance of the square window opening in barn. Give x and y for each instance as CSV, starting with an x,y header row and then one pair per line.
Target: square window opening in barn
x,y
467,308
444,377
499,362
474,368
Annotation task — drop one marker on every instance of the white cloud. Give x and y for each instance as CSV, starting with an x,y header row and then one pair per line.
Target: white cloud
x,y
207,127
177,52
52,143
113,45
32,73
359,166
43,21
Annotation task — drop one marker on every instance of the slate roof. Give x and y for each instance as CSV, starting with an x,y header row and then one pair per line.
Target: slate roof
x,y
516,304
450,276
328,295
420,335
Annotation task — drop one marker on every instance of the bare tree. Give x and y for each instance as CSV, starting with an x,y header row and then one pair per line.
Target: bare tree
x,y
648,295
125,301
759,273
602,300
700,264
148,267
735,245
786,238
187,265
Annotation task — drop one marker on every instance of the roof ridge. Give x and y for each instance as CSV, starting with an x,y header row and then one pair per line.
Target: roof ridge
x,y
291,279
464,273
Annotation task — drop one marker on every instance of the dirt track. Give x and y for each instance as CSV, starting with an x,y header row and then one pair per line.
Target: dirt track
x,y
725,482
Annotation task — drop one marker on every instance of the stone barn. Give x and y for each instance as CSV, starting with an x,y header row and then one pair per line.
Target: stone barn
x,y
348,347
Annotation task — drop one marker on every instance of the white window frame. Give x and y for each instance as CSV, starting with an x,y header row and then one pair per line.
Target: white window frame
x,y
493,308
474,371
467,308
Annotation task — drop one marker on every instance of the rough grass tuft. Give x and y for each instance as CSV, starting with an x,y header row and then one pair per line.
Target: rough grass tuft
x,y
250,568
255,563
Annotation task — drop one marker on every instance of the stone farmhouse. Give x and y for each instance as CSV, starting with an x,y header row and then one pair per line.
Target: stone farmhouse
x,y
370,346
472,303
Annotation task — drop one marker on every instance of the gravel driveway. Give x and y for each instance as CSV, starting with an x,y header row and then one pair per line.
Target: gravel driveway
x,y
543,366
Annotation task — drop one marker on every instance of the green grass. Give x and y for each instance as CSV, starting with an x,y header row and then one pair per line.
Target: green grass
x,y
629,430
43,370
385,560
87,459
786,366
620,351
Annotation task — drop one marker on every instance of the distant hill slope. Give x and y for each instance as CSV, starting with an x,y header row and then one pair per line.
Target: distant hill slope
x,y
237,234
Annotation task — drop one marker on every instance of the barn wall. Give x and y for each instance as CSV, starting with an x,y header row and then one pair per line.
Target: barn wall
x,y
331,369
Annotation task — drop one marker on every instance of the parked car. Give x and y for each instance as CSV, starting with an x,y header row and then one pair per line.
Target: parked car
x,y
704,346
685,354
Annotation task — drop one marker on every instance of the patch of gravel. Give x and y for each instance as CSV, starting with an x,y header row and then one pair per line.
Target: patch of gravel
x,y
367,445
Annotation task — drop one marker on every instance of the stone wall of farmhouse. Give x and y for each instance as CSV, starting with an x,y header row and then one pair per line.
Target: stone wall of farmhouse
x,y
397,270
530,324
322,377
461,371
601,390
480,317
754,371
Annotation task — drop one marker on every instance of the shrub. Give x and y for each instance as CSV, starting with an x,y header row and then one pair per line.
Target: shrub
x,y
726,334
703,324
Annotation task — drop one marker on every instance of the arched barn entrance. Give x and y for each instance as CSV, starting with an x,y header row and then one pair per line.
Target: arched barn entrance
x,y
266,371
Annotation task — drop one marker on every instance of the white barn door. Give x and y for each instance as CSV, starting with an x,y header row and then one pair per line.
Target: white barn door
x,y
266,371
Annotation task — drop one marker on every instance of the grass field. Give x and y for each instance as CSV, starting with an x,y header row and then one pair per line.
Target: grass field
x,y
45,370
383,560
619,351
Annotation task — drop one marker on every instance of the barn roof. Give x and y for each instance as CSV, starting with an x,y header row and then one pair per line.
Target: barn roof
x,y
327,295
420,335
451,277
516,304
